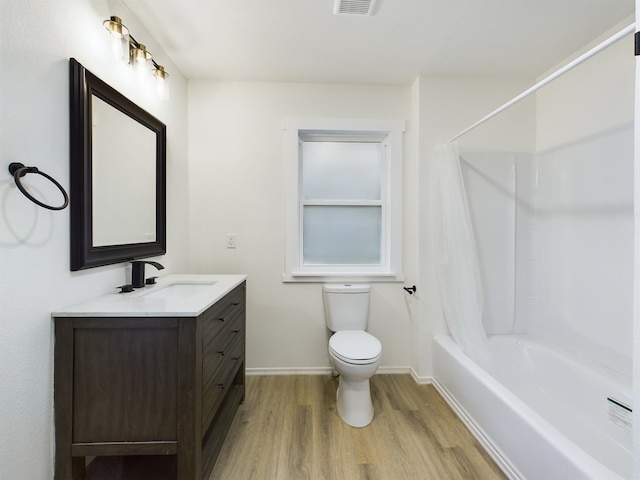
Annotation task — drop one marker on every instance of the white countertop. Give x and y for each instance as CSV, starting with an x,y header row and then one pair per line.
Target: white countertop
x,y
186,295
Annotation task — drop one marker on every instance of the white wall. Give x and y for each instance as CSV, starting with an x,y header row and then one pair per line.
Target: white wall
x,y
37,39
593,98
237,186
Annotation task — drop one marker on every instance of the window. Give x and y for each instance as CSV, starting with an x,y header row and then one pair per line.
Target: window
x,y
344,200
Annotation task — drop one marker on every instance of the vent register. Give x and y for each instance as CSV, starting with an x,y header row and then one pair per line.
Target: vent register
x,y
354,7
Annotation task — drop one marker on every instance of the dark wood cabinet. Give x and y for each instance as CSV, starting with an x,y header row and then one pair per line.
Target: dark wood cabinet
x,y
148,386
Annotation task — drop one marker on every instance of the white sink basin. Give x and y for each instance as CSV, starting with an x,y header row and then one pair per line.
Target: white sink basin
x,y
180,289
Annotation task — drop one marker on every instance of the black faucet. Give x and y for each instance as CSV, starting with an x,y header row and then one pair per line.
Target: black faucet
x,y
137,272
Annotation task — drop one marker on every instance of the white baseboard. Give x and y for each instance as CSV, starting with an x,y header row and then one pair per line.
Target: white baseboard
x,y
420,380
321,371
290,371
393,370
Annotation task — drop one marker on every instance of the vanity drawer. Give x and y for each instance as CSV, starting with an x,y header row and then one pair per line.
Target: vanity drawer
x,y
221,314
229,329
220,350
221,379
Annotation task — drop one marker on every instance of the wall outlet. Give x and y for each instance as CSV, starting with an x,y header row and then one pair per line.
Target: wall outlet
x,y
231,240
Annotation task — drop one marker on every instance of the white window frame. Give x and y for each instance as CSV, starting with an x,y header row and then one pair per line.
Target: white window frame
x,y
390,134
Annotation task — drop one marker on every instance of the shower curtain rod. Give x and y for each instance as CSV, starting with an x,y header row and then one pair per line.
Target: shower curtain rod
x,y
561,71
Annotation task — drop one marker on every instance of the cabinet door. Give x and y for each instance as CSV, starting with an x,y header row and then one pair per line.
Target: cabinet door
x,y
125,380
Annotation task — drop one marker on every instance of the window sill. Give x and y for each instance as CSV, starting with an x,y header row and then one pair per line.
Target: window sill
x,y
328,277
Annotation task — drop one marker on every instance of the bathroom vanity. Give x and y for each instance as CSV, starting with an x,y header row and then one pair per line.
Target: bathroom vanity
x,y
159,371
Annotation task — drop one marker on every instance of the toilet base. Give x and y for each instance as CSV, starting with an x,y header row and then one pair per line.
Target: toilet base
x,y
353,401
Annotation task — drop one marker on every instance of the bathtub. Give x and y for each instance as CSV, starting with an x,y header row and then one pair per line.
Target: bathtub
x,y
543,413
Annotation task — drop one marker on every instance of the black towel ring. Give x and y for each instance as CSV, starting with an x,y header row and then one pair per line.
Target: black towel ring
x,y
18,170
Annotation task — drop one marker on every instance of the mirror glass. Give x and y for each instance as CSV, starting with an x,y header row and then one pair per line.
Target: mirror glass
x,y
118,164
123,154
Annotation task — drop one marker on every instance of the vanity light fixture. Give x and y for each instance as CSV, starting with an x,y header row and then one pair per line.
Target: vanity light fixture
x,y
129,50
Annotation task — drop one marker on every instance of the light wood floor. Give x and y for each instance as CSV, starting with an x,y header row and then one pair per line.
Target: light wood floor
x,y
288,429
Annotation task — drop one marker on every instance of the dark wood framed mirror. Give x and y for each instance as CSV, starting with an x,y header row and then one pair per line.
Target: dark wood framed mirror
x,y
118,175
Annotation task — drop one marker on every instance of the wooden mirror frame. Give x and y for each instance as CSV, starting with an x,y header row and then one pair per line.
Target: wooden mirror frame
x,y
84,84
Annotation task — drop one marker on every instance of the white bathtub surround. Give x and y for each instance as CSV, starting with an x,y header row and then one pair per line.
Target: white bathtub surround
x,y
555,230
458,267
555,238
544,413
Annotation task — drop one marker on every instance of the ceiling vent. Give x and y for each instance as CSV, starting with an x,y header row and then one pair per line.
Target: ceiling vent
x,y
354,7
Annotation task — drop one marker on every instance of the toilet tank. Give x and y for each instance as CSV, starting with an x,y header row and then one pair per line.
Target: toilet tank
x,y
346,307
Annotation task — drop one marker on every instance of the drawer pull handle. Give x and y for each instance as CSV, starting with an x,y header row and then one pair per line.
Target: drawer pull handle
x,y
229,376
229,344
222,319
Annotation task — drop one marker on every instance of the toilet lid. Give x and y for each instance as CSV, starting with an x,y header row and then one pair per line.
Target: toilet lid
x,y
354,346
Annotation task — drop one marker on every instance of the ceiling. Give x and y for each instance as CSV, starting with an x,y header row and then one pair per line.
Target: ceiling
x,y
303,41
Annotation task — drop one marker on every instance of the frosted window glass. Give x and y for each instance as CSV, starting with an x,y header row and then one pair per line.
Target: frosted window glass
x,y
347,235
341,170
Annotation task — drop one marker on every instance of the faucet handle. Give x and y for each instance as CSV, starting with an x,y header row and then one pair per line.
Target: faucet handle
x,y
125,288
150,280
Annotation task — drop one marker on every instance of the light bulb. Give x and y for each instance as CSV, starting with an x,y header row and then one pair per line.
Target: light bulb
x,y
139,57
140,54
162,82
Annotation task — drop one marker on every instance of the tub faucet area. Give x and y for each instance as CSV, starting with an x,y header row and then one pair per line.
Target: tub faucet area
x,y
137,272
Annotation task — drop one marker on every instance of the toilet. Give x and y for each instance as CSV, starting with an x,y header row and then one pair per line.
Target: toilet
x,y
355,354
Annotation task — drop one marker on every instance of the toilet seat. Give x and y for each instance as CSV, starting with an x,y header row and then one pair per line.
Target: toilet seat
x,y
355,346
